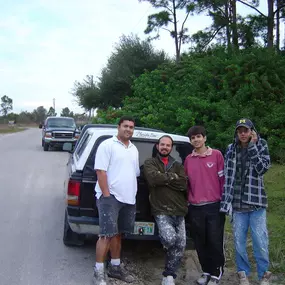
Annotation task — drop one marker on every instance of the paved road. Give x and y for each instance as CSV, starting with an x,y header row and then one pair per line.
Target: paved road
x,y
31,219
31,216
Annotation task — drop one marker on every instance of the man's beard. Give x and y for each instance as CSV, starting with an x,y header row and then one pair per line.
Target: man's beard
x,y
164,154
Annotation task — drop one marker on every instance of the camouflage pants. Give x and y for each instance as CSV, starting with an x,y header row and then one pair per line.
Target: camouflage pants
x,y
173,238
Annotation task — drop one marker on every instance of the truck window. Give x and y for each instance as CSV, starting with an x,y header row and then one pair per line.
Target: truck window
x,y
82,145
146,150
61,123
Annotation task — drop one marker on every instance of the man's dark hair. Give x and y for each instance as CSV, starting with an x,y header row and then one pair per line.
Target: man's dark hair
x,y
165,136
196,130
126,118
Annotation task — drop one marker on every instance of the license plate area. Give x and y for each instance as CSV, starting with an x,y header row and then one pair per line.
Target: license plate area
x,y
144,228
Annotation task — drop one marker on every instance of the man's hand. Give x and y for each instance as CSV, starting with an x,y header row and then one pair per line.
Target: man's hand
x,y
253,136
173,176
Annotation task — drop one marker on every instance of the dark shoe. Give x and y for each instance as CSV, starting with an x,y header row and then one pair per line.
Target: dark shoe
x,y
119,272
99,277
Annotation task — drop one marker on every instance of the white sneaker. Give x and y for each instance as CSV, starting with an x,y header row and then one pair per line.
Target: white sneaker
x,y
265,278
214,281
169,280
204,279
99,277
243,280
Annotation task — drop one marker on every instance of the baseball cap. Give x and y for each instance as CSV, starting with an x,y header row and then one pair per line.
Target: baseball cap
x,y
244,123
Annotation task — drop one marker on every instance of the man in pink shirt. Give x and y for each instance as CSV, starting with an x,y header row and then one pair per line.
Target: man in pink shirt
x,y
205,171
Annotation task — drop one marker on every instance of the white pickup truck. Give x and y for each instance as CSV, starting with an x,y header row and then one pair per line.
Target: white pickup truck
x,y
81,215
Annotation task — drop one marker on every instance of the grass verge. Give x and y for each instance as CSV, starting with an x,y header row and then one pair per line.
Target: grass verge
x,y
275,187
10,130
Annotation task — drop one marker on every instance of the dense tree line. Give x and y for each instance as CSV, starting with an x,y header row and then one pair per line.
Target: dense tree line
x,y
131,58
234,68
38,115
214,90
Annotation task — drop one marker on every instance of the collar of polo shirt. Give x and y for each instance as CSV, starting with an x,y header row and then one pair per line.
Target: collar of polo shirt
x,y
115,138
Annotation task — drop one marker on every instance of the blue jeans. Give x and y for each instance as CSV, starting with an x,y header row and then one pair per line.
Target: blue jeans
x,y
256,221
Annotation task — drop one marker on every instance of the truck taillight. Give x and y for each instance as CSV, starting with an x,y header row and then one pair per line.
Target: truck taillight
x,y
73,193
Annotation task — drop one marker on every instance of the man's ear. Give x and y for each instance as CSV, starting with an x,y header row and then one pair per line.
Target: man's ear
x,y
205,138
156,146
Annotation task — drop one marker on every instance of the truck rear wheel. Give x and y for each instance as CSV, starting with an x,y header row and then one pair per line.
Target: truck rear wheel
x,y
71,238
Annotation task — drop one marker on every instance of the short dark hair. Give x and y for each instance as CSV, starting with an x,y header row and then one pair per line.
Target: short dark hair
x,y
196,130
126,118
165,136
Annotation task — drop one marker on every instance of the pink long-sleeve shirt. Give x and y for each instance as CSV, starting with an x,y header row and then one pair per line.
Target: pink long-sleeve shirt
x,y
206,176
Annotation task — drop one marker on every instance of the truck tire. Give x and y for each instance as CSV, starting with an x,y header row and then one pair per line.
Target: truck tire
x,y
71,238
46,146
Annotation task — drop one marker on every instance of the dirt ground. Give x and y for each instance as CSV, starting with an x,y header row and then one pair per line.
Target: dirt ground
x,y
145,260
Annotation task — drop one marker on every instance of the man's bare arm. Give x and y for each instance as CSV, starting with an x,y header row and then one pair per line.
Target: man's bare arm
x,y
103,182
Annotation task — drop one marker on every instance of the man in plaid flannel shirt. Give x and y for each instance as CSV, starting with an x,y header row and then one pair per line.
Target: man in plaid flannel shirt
x,y
246,161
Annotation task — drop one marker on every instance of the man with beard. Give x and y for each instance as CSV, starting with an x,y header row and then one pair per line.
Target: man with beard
x,y
117,166
167,184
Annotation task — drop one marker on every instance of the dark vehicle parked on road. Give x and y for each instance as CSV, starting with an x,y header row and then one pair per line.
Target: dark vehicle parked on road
x,y
58,130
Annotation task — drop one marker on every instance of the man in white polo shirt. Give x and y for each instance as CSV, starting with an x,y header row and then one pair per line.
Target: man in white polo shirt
x,y
117,168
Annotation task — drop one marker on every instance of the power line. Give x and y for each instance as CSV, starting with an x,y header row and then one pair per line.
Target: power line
x,y
150,6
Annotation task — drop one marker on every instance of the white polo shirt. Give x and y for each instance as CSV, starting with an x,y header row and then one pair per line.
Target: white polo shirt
x,y
121,163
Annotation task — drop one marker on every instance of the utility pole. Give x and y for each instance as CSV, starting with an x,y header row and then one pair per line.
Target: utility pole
x,y
53,100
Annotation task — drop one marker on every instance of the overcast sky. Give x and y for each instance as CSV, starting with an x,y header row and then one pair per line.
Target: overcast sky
x,y
46,45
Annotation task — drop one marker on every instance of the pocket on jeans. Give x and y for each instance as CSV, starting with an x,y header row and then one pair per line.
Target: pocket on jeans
x,y
107,199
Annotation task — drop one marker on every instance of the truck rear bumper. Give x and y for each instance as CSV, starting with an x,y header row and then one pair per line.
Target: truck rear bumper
x,y
84,225
90,225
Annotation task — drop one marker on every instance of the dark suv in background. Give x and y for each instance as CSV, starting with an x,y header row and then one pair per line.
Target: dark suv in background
x,y
58,130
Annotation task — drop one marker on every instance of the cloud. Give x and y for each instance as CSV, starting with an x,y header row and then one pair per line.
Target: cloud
x,y
46,45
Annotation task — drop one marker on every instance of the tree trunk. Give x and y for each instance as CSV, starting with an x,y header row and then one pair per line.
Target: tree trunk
x,y
228,31
270,23
233,8
278,26
177,49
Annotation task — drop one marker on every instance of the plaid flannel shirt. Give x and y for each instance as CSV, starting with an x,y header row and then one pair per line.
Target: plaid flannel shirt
x,y
241,167
259,162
